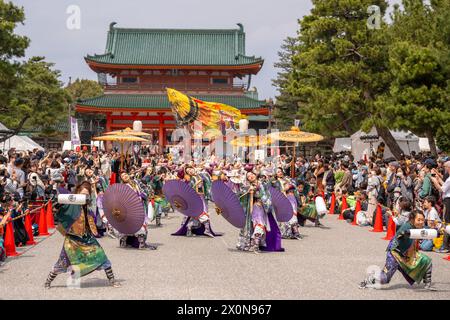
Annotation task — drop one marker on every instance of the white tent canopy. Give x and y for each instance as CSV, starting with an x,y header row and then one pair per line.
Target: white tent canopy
x,y
406,140
342,144
21,143
424,145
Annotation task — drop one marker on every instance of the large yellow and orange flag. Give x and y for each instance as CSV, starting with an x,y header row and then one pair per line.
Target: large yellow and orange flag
x,y
212,115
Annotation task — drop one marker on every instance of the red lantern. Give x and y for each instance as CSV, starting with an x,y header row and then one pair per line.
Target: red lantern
x,y
85,148
77,149
94,148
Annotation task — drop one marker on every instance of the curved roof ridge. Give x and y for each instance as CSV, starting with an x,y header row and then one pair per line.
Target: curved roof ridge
x,y
168,30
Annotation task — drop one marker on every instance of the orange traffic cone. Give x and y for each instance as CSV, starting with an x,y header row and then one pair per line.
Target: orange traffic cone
x,y
10,244
390,230
344,206
43,231
29,229
50,220
333,203
357,209
378,226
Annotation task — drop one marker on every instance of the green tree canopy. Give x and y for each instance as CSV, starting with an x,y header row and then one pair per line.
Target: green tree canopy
x,y
38,100
12,46
419,56
83,89
340,76
287,105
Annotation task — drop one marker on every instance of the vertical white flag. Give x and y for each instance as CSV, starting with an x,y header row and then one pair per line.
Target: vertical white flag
x,y
75,137
297,122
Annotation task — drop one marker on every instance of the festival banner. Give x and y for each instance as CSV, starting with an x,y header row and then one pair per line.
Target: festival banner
x,y
212,115
74,134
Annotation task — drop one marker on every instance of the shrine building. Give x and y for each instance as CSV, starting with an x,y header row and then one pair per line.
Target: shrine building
x,y
139,64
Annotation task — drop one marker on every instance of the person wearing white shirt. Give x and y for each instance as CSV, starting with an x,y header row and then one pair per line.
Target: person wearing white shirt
x,y
446,199
431,215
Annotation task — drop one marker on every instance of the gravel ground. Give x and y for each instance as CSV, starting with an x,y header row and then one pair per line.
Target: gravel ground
x,y
327,264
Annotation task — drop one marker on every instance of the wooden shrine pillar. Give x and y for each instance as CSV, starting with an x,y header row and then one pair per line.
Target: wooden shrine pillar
x,y
108,122
162,132
108,144
161,137
164,137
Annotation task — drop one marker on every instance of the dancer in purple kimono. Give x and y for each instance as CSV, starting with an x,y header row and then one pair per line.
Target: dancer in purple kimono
x,y
137,240
253,198
199,225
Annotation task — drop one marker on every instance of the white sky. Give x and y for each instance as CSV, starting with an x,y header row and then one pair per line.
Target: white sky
x,y
267,23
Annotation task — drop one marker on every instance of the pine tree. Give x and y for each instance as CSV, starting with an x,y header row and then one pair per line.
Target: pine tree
x,y
419,62
340,69
287,105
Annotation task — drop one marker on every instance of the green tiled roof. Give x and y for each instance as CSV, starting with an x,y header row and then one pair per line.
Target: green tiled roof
x,y
258,118
148,101
197,47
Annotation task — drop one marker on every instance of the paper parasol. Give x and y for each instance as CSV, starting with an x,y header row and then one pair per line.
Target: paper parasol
x,y
120,138
228,205
251,141
281,205
296,135
128,132
123,208
183,198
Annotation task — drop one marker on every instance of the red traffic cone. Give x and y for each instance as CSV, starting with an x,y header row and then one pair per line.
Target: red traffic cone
x,y
50,220
344,206
357,209
112,179
29,229
378,226
43,231
390,230
333,203
10,244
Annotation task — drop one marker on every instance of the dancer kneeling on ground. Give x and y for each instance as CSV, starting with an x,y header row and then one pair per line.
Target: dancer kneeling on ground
x,y
403,255
137,240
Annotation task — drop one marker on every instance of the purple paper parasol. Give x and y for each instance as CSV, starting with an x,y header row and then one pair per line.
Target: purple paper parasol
x,y
228,204
183,198
281,205
123,208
